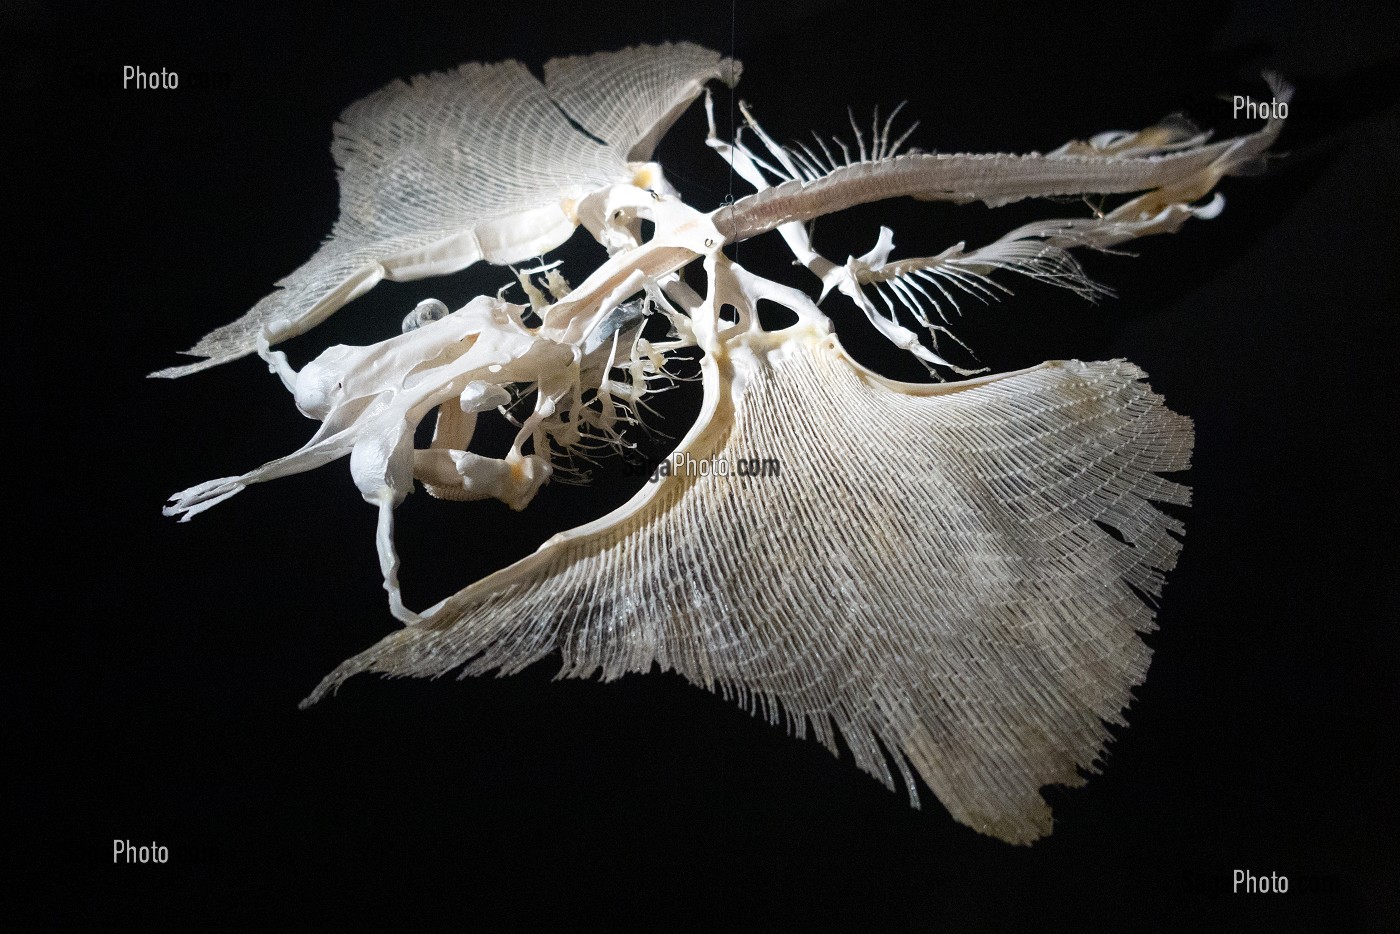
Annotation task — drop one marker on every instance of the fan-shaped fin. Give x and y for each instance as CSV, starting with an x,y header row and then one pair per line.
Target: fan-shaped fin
x,y
435,174
929,574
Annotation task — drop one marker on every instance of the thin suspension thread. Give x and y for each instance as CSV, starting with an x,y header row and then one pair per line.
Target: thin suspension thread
x,y
733,57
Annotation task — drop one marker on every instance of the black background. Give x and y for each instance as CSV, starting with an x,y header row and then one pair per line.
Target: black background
x,y
160,664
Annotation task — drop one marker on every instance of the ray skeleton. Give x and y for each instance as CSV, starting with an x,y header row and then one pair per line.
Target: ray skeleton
x,y
434,179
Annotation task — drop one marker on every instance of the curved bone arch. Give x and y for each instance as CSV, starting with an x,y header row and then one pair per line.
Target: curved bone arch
x,y
953,577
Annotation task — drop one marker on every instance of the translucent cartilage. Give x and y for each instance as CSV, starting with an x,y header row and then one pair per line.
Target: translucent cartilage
x,y
427,311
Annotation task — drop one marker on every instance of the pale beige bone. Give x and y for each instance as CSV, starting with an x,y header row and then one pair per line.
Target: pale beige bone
x,y
932,576
478,163
926,577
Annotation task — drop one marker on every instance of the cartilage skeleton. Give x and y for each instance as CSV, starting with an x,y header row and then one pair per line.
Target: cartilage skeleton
x,y
967,614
